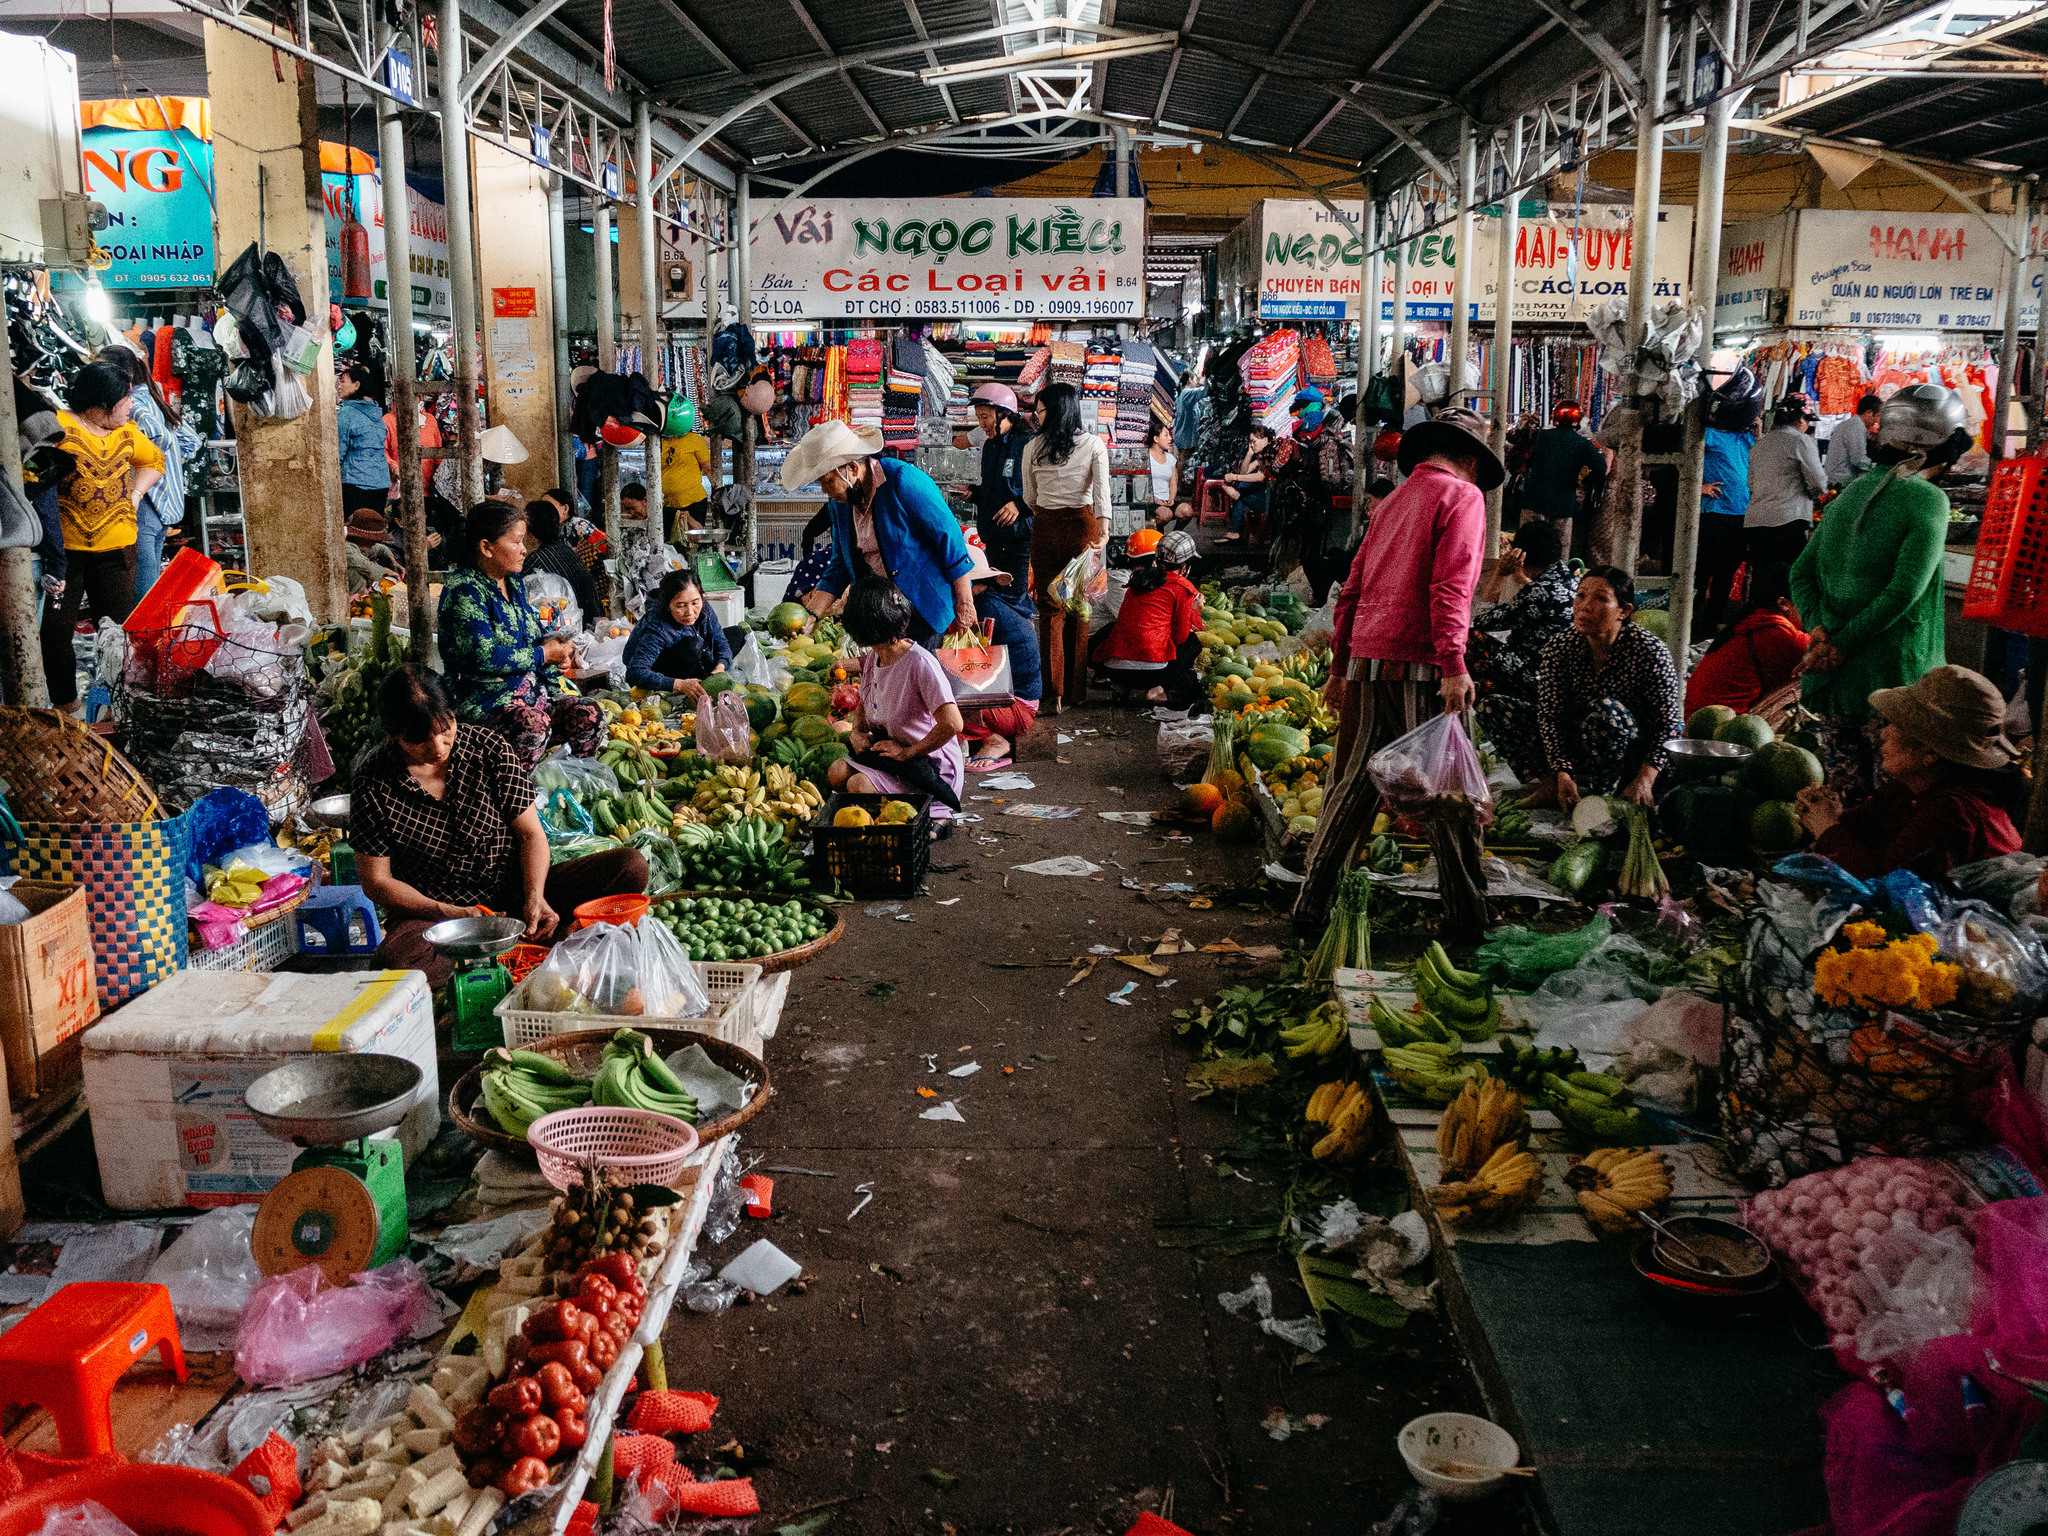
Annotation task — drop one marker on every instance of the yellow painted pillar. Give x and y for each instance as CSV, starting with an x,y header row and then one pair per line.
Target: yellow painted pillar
x,y
516,300
266,173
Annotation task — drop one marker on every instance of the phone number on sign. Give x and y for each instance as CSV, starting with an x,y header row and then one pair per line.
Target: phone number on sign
x,y
987,309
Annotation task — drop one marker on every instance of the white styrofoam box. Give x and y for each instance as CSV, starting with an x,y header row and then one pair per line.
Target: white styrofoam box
x,y
165,1074
729,608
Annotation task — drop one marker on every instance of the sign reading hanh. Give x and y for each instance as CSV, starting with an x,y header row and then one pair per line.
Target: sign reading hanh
x,y
1752,269
1898,271
986,259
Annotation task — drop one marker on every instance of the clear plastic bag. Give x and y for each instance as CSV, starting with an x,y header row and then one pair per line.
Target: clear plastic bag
x,y
1913,1286
633,972
555,601
1084,580
606,654
562,816
297,1327
87,1519
210,1274
1435,761
2005,970
1524,958
722,730
750,665
558,770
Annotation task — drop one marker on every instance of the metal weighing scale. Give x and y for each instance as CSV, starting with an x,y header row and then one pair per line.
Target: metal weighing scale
x,y
332,811
343,1204
479,983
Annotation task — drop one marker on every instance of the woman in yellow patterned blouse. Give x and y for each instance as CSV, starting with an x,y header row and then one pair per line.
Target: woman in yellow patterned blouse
x,y
117,465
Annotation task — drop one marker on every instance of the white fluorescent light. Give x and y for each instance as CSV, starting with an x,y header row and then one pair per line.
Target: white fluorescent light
x,y
1041,58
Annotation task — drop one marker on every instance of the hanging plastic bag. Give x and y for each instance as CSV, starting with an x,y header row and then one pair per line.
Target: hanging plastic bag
x,y
722,730
1084,580
289,399
555,601
1434,762
210,1274
297,1327
609,968
750,665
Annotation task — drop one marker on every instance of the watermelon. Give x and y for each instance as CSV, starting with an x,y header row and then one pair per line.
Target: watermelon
x,y
785,619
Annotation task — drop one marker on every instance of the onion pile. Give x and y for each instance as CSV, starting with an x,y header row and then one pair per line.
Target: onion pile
x,y
1823,1224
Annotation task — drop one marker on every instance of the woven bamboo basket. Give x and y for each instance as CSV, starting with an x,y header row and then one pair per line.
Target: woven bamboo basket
x,y
57,770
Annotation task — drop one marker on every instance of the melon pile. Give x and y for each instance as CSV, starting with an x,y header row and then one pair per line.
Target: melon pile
x,y
1768,782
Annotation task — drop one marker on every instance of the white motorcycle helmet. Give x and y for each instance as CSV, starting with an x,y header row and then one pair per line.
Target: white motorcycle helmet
x,y
1923,416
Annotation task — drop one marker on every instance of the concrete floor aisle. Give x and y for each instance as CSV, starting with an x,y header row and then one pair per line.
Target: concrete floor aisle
x,y
1003,1339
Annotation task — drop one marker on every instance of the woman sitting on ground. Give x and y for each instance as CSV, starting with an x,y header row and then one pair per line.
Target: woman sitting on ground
x,y
1153,640
1607,698
679,642
1009,619
1756,655
906,728
444,826
503,667
556,556
1508,638
1945,785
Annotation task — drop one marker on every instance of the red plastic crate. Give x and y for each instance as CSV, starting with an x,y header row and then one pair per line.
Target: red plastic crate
x,y
2008,586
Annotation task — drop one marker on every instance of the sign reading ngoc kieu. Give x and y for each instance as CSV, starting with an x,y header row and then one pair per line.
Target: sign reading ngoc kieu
x,y
987,259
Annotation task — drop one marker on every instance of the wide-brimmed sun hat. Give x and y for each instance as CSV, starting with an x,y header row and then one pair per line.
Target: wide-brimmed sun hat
x,y
828,446
1457,432
1954,713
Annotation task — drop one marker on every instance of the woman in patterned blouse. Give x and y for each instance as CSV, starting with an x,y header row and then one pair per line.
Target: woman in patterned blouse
x,y
502,665
1607,700
1508,638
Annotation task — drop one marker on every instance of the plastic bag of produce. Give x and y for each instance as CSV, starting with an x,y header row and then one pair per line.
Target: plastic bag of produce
x,y
723,731
1435,761
664,863
2004,969
609,968
750,665
579,775
295,1327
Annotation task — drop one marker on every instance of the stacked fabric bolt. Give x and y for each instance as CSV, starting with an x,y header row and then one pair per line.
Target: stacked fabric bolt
x,y
1318,363
1165,385
864,383
940,378
1134,395
904,391
1070,363
1035,373
1271,371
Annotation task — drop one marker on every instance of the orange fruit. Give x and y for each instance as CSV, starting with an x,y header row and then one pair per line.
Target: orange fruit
x,y
1229,782
1201,799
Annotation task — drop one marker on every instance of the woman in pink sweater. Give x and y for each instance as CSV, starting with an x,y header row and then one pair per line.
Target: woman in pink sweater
x,y
1401,623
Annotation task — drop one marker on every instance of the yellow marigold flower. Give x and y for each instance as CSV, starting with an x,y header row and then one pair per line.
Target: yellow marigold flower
x,y
1864,935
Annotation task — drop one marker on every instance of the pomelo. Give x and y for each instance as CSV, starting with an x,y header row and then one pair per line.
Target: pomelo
x,y
1750,731
1705,722
1774,827
1782,770
1656,620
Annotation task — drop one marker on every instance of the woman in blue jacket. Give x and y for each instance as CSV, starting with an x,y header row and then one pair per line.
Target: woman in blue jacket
x,y
679,641
359,423
888,519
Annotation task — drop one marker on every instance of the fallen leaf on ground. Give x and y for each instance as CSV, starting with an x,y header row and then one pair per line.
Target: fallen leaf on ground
x,y
940,1479
1141,963
1200,904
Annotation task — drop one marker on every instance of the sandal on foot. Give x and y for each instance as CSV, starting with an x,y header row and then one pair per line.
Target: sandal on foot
x,y
986,764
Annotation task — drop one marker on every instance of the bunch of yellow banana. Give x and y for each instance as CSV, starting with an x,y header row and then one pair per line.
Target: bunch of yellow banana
x,y
732,793
1485,1116
1506,1183
1615,1182
1346,1110
1322,1033
685,816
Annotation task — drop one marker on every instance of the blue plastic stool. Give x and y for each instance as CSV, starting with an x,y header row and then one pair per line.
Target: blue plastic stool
x,y
327,917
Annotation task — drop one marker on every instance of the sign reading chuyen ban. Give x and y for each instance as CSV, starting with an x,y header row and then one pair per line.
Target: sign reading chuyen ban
x,y
986,259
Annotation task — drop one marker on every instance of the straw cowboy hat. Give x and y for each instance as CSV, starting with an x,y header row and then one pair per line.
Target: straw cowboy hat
x,y
500,447
830,445
1952,712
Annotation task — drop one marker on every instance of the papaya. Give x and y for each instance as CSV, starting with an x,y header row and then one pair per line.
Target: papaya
x,y
807,698
1201,800
1234,822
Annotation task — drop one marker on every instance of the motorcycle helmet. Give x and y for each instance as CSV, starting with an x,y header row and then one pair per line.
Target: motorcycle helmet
x,y
617,433
1736,403
1001,396
1142,543
1921,416
1566,414
681,419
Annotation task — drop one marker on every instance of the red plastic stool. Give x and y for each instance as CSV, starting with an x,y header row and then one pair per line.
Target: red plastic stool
x,y
67,1354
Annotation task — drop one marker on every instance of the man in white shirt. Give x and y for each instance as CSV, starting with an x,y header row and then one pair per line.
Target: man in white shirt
x,y
1849,445
1785,477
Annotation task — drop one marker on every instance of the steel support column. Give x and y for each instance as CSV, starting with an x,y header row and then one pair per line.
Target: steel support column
x,y
1706,279
743,290
1461,273
1643,266
1503,353
649,255
403,369
1362,430
461,253
565,397
2037,415
1398,363
2009,343
607,299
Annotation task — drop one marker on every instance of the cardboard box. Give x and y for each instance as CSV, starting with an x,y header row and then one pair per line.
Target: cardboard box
x,y
47,994
165,1074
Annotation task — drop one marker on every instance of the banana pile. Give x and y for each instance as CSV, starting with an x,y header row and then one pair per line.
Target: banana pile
x,y
633,1076
648,724
1322,1033
1595,1108
521,1086
1506,1183
1485,1116
1433,1072
1463,1000
1524,1065
774,790
1615,1182
1417,1028
1345,1111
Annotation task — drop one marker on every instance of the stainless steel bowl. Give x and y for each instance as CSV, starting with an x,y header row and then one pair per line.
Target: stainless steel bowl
x,y
1693,760
329,811
475,938
330,1099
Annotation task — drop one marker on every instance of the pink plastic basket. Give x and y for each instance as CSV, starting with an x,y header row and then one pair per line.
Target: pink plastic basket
x,y
644,1147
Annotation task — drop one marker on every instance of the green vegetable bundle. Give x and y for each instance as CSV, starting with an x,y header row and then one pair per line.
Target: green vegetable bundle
x,y
1347,941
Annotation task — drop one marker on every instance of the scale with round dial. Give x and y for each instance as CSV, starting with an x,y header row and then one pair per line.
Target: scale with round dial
x,y
343,1204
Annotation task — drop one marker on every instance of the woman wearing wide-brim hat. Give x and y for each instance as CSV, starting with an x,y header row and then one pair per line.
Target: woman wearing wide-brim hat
x,y
889,518
1945,788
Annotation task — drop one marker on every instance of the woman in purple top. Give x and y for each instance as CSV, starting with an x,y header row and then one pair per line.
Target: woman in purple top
x,y
906,730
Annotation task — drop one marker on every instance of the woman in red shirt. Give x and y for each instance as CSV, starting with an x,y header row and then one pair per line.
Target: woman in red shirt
x,y
1153,639
1757,653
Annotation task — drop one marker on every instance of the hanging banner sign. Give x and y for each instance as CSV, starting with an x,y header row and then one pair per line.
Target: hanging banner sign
x,y
1752,269
1310,260
987,259
157,190
1897,272
429,277
1566,265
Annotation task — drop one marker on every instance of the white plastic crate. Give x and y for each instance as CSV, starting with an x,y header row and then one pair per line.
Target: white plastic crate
x,y
263,949
734,989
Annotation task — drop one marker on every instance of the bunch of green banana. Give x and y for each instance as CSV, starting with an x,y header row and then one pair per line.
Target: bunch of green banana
x,y
1409,1028
632,1076
1523,1065
1463,1000
1431,1071
1595,1107
1322,1033
521,1086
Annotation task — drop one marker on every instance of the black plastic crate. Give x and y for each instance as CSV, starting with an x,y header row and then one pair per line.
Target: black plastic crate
x,y
874,860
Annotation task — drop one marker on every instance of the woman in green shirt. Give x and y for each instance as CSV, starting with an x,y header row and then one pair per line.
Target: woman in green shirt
x,y
1869,584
